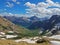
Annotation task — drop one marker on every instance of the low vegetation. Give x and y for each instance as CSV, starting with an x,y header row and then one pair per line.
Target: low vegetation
x,y
11,42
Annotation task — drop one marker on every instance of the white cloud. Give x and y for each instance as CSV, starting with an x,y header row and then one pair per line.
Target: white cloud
x,y
17,2
28,4
6,14
11,14
10,4
50,1
14,0
42,8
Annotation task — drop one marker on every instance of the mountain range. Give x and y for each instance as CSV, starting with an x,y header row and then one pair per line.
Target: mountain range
x,y
46,24
51,24
24,21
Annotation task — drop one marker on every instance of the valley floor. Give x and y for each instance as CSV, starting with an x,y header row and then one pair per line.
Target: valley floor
x,y
11,42
27,41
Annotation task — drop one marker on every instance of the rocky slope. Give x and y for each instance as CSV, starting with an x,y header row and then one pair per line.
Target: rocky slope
x,y
6,25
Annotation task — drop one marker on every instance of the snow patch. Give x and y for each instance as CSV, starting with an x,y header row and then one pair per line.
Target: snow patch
x,y
55,42
26,40
55,37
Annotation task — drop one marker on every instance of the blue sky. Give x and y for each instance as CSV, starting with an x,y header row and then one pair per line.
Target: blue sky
x,y
18,6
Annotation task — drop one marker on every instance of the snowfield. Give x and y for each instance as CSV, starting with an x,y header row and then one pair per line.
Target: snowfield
x,y
34,41
26,40
55,37
11,36
55,42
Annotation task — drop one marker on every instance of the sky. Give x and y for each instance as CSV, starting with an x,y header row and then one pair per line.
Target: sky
x,y
30,7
